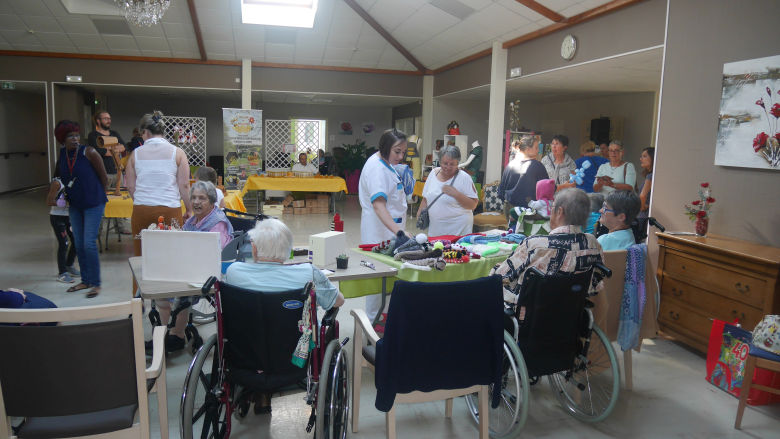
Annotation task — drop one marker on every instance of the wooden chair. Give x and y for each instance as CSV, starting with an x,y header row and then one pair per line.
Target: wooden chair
x,y
450,325
761,359
607,310
490,218
87,379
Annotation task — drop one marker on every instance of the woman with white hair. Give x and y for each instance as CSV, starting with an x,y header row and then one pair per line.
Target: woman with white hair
x,y
450,196
206,216
272,243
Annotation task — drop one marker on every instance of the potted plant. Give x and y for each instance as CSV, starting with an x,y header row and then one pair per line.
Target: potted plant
x,y
341,261
350,161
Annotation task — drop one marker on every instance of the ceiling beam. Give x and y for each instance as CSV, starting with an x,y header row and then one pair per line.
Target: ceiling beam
x,y
542,10
196,28
590,14
452,65
386,35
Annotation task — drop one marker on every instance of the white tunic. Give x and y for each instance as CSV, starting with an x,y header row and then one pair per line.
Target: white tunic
x,y
379,180
606,170
448,217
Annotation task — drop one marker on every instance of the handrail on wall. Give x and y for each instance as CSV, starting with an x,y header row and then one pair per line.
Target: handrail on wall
x,y
7,155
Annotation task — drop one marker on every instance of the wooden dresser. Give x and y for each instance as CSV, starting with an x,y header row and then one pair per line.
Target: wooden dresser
x,y
714,277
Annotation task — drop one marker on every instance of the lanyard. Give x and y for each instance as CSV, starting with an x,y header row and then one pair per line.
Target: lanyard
x,y
72,164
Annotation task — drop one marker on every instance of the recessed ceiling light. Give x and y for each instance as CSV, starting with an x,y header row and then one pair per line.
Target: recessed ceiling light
x,y
292,13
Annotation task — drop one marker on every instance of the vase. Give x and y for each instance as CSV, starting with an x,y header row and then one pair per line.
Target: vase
x,y
702,224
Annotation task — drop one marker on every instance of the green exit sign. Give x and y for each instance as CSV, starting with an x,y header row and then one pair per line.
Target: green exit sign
x,y
8,85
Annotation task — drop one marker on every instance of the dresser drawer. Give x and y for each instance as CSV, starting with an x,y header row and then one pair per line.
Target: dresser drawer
x,y
683,319
709,303
731,284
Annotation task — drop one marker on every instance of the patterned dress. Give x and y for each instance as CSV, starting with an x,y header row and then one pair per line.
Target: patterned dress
x,y
565,250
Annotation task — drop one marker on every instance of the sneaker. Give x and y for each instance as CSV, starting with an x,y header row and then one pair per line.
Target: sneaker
x,y
73,271
65,278
174,343
203,312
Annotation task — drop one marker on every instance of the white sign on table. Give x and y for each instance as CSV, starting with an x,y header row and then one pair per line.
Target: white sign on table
x,y
178,256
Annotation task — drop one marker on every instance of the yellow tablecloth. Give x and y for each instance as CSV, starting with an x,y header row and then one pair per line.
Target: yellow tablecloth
x,y
473,269
122,206
300,184
233,200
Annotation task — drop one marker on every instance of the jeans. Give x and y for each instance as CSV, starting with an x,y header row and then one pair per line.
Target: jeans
x,y
86,225
66,253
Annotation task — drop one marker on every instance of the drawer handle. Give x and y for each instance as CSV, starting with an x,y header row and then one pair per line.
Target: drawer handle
x,y
737,315
744,290
674,315
676,292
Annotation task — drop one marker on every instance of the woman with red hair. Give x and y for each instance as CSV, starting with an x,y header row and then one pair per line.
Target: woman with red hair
x,y
81,170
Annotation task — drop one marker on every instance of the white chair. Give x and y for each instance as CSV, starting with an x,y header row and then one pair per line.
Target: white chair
x,y
87,379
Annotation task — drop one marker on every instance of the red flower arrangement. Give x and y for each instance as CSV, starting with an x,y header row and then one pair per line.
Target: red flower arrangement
x,y
768,145
698,209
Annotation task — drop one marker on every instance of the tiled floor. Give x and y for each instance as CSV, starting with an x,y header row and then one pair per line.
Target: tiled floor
x,y
670,397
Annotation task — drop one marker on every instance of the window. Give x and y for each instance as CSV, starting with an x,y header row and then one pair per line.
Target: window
x,y
293,13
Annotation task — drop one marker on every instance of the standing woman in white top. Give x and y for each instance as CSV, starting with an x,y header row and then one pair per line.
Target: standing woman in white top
x,y
453,212
158,179
617,174
382,198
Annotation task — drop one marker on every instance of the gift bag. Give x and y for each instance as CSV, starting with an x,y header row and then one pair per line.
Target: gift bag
x,y
726,357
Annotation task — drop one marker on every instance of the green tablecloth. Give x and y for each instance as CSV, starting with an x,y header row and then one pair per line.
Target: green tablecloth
x,y
453,272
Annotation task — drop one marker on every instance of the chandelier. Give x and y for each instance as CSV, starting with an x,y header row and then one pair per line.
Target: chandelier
x,y
143,12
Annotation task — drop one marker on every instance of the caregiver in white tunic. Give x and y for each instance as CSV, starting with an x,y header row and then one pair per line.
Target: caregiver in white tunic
x,y
382,199
453,212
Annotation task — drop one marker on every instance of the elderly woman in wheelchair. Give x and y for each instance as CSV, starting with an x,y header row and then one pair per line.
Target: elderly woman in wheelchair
x,y
269,338
547,282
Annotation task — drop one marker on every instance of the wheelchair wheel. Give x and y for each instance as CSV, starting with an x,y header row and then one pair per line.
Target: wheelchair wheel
x,y
203,406
509,417
590,390
333,395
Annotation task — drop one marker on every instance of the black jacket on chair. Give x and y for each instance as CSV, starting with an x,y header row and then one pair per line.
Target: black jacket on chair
x,y
445,335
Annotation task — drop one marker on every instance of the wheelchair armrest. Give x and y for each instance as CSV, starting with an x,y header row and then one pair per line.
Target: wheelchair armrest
x,y
204,290
158,352
330,316
361,320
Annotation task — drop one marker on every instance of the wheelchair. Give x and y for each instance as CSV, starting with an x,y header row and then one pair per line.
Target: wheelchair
x,y
258,331
238,249
556,337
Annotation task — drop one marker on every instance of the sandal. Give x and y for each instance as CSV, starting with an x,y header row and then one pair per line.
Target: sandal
x,y
93,292
77,287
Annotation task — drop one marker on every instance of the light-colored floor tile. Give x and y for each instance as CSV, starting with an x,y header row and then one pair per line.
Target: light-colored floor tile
x,y
670,396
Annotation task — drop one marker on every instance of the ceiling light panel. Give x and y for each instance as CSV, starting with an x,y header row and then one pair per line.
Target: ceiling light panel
x,y
111,26
454,8
291,13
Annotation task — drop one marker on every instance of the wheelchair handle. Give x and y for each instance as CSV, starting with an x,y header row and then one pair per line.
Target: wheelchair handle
x,y
204,290
656,224
603,268
258,217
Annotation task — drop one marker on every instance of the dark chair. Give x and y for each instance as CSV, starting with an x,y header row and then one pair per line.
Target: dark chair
x,y
80,380
442,340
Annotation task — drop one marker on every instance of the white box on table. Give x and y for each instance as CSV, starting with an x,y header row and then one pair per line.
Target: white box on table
x,y
177,256
325,247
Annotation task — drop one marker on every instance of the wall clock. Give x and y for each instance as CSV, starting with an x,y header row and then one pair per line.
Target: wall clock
x,y
568,47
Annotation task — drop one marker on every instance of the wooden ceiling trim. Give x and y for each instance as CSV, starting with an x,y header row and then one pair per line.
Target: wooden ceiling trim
x,y
337,68
196,28
386,35
118,58
452,65
590,14
200,62
542,10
